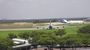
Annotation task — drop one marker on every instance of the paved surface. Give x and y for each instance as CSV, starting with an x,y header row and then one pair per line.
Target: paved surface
x,y
36,28
19,29
65,49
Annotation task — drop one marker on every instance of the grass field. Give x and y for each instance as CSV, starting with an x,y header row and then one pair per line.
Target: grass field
x,y
70,29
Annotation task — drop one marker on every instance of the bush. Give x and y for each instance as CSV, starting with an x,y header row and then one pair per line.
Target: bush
x,y
11,35
85,29
72,40
6,44
60,32
24,35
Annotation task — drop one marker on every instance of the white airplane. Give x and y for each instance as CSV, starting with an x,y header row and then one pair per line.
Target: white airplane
x,y
63,21
72,21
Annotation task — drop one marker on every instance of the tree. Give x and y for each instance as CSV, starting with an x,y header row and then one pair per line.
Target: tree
x,y
6,44
85,40
84,32
60,32
43,38
71,40
24,35
47,39
85,29
11,35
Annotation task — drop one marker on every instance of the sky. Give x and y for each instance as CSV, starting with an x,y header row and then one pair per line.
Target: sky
x,y
31,9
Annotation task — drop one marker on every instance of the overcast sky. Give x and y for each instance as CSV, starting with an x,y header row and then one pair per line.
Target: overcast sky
x,y
44,8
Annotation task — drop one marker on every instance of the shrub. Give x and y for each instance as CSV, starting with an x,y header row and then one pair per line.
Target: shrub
x,y
11,35
60,32
24,35
85,29
6,44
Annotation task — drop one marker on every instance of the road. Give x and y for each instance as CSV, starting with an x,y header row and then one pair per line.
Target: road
x,y
34,28
18,29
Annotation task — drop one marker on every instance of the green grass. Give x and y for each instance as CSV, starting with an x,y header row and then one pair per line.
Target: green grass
x,y
4,34
73,28
70,29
